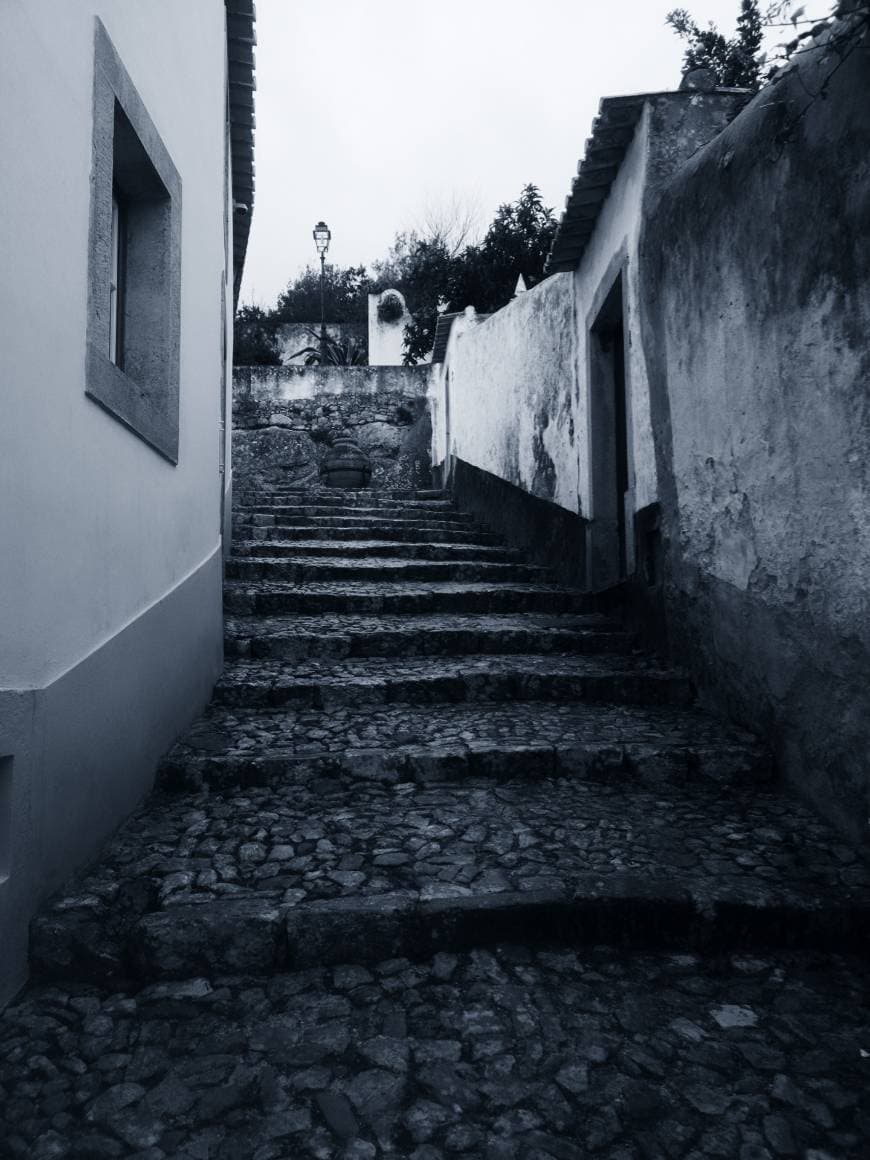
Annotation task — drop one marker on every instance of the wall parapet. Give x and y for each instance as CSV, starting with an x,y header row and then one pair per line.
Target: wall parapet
x,y
294,382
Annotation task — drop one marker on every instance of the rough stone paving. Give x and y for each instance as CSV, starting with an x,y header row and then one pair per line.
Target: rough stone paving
x,y
447,868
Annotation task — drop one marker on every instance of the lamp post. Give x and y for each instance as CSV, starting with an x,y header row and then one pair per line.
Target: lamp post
x,y
321,241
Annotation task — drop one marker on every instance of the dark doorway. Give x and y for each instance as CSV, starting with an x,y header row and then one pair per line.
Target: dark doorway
x,y
608,444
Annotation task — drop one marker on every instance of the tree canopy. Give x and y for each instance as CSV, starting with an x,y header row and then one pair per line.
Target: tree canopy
x,y
344,293
736,62
482,275
254,342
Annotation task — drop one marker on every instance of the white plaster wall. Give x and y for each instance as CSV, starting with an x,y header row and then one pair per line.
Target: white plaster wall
x,y
511,380
518,382
228,314
110,571
613,247
386,339
95,526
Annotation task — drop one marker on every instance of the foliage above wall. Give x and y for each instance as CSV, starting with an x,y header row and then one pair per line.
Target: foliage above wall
x,y
254,341
739,61
483,275
335,352
430,273
345,296
736,63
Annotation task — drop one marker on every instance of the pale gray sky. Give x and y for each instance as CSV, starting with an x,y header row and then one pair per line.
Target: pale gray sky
x,y
369,110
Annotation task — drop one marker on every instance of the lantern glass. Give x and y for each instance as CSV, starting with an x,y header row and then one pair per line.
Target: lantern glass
x,y
321,237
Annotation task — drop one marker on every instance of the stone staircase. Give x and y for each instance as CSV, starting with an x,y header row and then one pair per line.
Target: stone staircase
x,y
448,868
421,744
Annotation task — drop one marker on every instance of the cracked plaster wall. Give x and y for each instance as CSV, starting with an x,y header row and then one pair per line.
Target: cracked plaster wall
x,y
511,384
285,418
755,273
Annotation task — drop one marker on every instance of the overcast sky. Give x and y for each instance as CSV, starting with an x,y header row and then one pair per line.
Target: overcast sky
x,y
368,111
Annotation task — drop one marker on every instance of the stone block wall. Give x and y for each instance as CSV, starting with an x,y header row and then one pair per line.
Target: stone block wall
x,y
285,419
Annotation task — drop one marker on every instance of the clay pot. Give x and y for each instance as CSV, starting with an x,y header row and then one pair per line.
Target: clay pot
x,y
345,465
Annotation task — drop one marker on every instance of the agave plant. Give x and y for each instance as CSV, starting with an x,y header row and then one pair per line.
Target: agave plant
x,y
334,353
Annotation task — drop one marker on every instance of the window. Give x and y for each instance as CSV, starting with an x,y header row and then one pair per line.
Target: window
x,y
117,282
134,261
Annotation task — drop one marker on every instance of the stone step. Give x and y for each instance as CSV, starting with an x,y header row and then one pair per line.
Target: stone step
x,y
533,1053
341,497
295,877
374,525
315,505
291,570
334,638
424,494
395,549
343,533
400,742
303,513
374,598
431,680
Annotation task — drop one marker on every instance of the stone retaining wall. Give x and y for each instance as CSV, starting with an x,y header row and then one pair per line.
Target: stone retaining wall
x,y
285,418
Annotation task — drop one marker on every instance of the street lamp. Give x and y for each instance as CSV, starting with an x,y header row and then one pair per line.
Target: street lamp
x,y
321,241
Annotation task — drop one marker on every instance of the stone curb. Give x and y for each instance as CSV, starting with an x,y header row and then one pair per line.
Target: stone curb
x,y
253,936
426,765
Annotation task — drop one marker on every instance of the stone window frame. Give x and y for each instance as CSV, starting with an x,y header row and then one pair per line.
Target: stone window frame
x,y
144,395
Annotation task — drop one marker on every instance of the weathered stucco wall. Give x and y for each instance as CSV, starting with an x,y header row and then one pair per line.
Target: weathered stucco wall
x,y
284,419
507,386
513,396
755,280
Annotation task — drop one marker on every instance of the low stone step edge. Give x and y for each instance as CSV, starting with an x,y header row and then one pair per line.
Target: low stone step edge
x,y
256,936
647,762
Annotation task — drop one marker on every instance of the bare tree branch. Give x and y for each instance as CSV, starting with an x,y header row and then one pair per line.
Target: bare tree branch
x,y
454,222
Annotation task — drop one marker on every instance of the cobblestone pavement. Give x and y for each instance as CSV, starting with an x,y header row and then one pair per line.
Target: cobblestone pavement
x,y
542,846
376,596
616,729
349,635
447,868
410,550
503,1054
379,680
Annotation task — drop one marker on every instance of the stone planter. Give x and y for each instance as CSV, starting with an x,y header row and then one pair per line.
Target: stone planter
x,y
346,465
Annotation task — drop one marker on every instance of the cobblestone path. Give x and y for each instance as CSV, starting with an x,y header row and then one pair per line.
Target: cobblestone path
x,y
447,868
